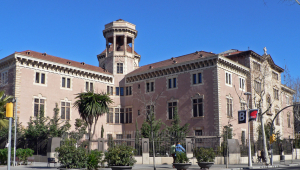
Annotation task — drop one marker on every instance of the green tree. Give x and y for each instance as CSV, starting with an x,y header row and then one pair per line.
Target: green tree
x,y
3,100
58,128
177,132
37,132
91,106
80,130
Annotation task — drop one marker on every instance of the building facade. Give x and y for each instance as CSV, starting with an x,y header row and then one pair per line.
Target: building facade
x,y
206,89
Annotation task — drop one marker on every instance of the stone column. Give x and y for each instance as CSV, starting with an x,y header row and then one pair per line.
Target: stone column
x,y
133,46
125,44
107,48
189,147
115,43
101,144
145,150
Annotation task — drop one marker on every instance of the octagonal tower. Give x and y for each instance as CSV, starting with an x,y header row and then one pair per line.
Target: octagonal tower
x,y
119,56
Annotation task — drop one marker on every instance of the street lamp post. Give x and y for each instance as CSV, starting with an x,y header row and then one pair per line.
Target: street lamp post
x,y
271,131
15,100
249,143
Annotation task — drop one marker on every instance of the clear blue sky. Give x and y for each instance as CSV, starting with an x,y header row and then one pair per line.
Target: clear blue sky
x,y
72,29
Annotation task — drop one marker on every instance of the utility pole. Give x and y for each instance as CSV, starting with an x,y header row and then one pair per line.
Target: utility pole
x,y
15,138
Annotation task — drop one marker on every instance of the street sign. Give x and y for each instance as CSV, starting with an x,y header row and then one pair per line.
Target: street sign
x,y
253,114
242,116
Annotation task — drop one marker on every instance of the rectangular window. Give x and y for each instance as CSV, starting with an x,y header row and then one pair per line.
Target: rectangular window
x,y
109,90
256,66
287,100
228,78
117,115
65,110
197,78
150,109
229,107
68,83
276,95
257,86
40,78
171,109
120,68
65,82
39,105
128,115
117,91
37,77
121,91
119,139
194,78
121,115
89,86
198,107
110,114
4,77
198,133
275,75
172,83
243,106
128,90
150,87
242,84
277,118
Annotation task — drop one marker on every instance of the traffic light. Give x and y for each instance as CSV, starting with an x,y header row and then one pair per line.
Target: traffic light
x,y
9,109
272,138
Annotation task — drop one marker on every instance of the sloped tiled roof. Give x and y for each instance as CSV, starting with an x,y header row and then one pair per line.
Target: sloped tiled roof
x,y
47,57
180,59
121,48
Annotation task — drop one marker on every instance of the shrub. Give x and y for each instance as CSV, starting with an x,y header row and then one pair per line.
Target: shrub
x,y
205,154
23,154
94,158
181,157
3,156
120,155
70,156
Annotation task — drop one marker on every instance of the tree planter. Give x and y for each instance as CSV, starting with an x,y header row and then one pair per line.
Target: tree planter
x,y
180,166
205,164
121,167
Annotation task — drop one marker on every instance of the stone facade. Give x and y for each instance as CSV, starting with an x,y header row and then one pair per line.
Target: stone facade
x,y
206,88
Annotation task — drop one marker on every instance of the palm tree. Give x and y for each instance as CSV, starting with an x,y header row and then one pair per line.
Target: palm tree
x,y
91,106
3,100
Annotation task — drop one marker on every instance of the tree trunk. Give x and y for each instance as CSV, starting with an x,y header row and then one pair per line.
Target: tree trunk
x,y
266,155
90,143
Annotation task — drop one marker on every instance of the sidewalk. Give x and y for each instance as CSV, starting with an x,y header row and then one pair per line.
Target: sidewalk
x,y
43,165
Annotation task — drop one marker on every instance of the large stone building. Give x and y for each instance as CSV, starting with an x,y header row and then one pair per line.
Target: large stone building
x,y
206,88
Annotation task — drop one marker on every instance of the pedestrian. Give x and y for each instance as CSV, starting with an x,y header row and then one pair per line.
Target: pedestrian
x,y
259,155
173,147
179,149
